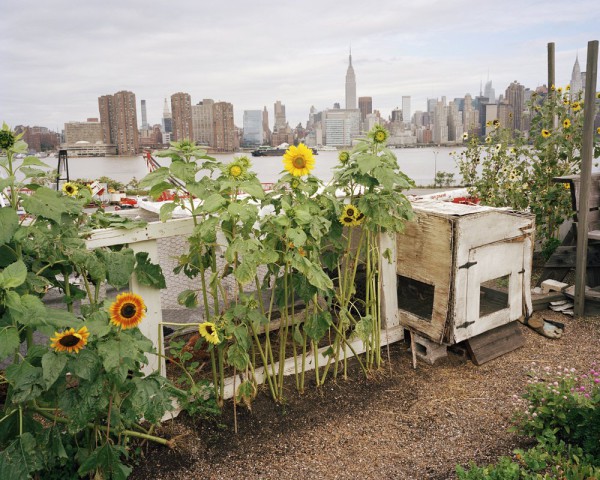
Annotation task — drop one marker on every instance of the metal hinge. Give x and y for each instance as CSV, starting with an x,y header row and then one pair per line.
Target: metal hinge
x,y
468,265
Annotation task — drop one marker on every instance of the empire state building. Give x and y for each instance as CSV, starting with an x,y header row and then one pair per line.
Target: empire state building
x,y
350,86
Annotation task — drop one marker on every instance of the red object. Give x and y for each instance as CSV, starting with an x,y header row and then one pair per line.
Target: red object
x,y
128,202
466,200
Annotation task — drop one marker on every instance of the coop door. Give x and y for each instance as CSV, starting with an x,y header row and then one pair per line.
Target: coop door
x,y
494,288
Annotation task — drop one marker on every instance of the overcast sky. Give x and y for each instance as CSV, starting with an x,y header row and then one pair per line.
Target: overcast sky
x,y
58,56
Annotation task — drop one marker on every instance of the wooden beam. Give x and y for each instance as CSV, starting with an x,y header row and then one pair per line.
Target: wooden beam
x,y
550,67
589,110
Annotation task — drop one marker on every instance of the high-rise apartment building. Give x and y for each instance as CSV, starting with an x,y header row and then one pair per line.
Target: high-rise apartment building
x,y
455,124
515,96
90,131
406,114
202,122
118,118
253,131
224,128
365,105
341,126
350,86
440,122
181,110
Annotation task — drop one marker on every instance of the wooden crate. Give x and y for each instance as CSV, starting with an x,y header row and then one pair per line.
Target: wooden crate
x,y
446,259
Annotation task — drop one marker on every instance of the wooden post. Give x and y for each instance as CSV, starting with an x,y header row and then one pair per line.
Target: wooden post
x,y
550,67
587,147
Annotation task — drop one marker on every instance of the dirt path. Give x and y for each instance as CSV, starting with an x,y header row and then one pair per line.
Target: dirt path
x,y
407,425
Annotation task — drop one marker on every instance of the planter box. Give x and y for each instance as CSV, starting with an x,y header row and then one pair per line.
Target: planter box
x,y
447,260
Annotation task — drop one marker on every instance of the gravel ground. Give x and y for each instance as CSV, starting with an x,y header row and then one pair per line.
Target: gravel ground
x,y
401,423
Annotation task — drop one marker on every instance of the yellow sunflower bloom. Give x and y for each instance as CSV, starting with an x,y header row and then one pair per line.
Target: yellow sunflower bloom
x,y
465,136
208,331
70,189
70,340
565,101
488,139
299,161
347,221
566,123
559,89
598,95
127,311
350,211
496,123
598,130
576,106
568,87
545,133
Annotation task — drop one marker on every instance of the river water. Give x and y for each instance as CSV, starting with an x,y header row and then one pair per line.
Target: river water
x,y
420,164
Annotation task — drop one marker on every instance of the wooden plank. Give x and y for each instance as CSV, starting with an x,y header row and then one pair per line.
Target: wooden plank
x,y
388,294
494,343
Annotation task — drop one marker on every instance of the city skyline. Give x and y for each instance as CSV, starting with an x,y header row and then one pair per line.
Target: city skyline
x,y
57,60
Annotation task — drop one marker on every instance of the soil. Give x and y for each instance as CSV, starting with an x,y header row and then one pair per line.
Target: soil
x,y
400,423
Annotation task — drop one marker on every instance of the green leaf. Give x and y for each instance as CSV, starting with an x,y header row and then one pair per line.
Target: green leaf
x,y
166,211
27,381
254,188
119,265
237,357
147,273
157,176
106,459
32,312
86,365
6,182
34,161
13,275
159,188
317,325
213,203
49,204
22,457
9,341
9,222
296,236
368,162
53,365
189,298
184,171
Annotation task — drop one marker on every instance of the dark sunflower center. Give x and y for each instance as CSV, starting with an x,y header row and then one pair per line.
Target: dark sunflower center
x,y
69,340
69,189
299,162
209,329
348,219
360,216
128,310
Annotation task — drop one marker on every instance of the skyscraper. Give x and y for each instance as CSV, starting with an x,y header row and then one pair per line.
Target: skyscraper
x,y
406,115
167,120
118,117
144,117
202,122
253,131
365,105
350,86
515,96
266,131
489,92
576,81
279,110
224,128
181,108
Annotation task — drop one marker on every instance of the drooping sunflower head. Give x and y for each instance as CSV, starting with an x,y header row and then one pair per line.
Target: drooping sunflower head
x,y
244,161
566,123
379,134
208,331
576,106
343,157
545,133
299,160
70,340
70,189
127,311
496,123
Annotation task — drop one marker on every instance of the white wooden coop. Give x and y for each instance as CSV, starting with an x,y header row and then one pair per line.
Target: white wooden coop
x,y
447,260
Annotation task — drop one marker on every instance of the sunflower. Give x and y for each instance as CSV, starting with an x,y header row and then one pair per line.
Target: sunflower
x,y
347,221
127,310
552,88
598,130
488,123
350,211
565,101
351,216
70,340
498,147
343,157
244,161
566,123
299,160
568,87
576,106
488,139
496,123
545,133
598,95
70,189
208,331
559,89
379,134
465,136
360,218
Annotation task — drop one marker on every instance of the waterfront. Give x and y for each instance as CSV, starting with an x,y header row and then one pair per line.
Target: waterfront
x,y
418,163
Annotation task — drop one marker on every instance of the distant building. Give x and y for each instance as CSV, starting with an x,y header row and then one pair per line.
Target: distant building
x,y
341,125
350,85
406,115
279,112
223,127
266,130
167,120
491,114
253,128
202,122
440,122
144,115
365,105
489,92
151,138
39,139
515,96
118,118
576,84
455,123
83,131
181,110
